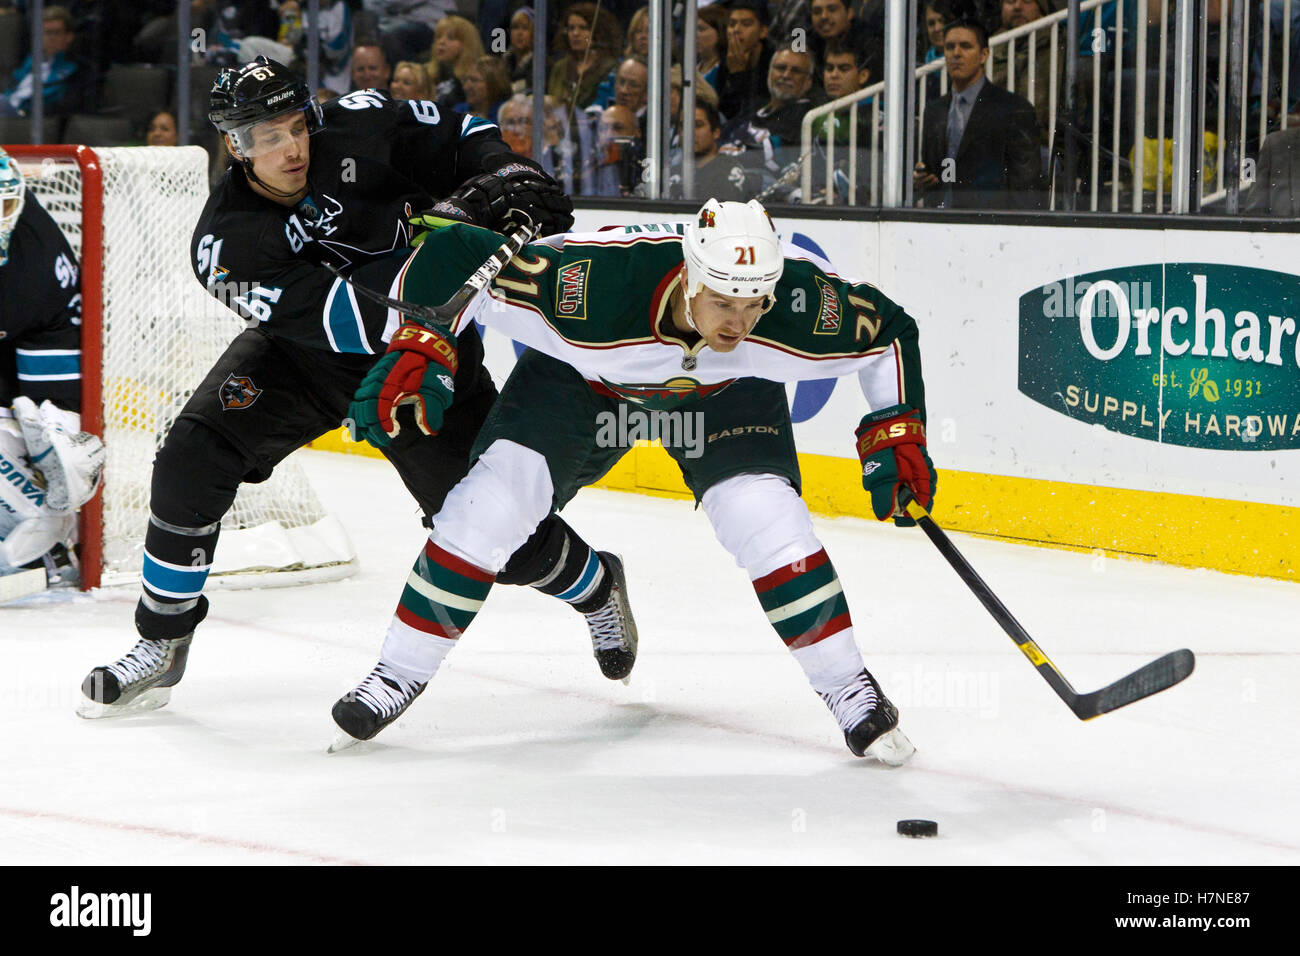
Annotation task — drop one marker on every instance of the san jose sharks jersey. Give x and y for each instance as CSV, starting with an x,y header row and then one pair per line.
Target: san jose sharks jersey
x,y
40,313
600,302
376,162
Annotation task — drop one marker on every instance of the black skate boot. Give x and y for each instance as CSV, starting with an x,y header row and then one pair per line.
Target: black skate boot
x,y
141,680
869,721
372,705
613,630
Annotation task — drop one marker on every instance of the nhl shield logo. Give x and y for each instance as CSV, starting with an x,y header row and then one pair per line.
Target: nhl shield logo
x,y
238,391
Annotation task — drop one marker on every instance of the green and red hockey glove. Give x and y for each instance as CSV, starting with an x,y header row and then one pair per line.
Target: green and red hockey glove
x,y
891,444
419,370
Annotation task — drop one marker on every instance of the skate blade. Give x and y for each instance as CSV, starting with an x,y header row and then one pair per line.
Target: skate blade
x,y
891,748
342,741
151,699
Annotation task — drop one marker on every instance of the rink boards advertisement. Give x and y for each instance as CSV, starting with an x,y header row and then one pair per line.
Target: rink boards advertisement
x,y
1130,390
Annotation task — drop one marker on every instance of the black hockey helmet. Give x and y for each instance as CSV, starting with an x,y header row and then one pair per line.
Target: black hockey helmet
x,y
247,95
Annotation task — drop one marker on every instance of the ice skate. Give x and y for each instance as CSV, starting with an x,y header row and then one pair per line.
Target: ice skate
x,y
374,704
141,680
612,627
869,721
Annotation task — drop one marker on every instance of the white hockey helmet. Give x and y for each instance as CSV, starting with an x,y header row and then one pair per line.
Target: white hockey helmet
x,y
732,248
12,195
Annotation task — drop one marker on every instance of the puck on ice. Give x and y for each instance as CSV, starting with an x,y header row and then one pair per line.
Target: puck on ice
x,y
918,828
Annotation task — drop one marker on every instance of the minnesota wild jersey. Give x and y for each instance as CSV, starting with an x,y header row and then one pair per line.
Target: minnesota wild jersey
x,y
599,302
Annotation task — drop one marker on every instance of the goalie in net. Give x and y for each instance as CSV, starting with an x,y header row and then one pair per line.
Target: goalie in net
x,y
49,467
310,189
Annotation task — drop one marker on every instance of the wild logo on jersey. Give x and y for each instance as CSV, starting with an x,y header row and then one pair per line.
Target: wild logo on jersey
x,y
238,391
663,395
828,316
571,290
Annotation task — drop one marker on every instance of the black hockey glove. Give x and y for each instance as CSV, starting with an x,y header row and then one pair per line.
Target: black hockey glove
x,y
516,194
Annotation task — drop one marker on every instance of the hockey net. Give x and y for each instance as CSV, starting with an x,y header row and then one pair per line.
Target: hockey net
x,y
150,333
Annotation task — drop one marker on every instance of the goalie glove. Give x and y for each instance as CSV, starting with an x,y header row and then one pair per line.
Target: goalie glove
x,y
70,460
891,445
419,370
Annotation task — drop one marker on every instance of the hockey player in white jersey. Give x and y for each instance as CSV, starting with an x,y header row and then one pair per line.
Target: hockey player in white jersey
x,y
706,321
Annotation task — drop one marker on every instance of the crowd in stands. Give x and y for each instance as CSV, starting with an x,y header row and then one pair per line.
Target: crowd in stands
x,y
989,139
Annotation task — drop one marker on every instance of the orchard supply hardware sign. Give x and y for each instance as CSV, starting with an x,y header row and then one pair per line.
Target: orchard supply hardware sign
x,y
1193,354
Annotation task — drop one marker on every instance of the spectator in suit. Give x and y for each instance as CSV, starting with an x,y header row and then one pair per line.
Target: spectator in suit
x,y
370,69
1276,190
742,75
65,80
409,82
979,142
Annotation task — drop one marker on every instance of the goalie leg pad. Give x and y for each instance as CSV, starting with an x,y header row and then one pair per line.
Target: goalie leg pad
x,y
33,537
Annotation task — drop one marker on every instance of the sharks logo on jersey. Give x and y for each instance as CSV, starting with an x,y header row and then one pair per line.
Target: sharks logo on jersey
x,y
238,391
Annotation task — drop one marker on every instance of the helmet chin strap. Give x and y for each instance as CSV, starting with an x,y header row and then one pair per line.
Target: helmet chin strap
x,y
247,165
687,295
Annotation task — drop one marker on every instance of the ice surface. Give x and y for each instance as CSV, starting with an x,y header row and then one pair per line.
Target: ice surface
x,y
520,752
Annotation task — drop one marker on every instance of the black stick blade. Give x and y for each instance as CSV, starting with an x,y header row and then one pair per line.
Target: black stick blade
x,y
1152,679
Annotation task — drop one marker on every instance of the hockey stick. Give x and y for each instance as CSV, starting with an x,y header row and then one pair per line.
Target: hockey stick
x,y
1159,675
442,316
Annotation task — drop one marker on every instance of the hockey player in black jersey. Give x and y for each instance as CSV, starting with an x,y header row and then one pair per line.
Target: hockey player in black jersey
x,y
312,187
48,466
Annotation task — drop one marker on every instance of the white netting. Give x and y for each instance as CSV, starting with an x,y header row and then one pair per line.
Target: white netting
x,y
162,333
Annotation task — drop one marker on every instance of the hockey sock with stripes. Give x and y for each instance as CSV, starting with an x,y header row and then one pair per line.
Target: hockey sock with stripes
x,y
442,596
177,560
556,561
805,604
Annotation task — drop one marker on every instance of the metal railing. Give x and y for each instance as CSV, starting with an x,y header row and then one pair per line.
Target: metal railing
x,y
1110,176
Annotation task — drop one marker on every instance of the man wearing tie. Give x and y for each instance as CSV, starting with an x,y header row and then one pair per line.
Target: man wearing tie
x,y
980,143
